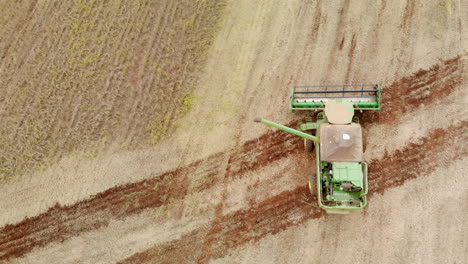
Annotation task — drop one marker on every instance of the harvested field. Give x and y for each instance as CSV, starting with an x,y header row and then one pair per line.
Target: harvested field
x,y
127,133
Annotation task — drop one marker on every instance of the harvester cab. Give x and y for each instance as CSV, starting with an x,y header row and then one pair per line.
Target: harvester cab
x,y
340,182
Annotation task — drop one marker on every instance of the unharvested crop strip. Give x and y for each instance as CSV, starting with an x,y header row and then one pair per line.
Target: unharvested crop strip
x,y
71,91
288,208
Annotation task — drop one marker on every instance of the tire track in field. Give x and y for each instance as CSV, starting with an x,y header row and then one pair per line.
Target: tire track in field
x,y
16,240
268,217
419,158
447,77
288,209
62,222
421,88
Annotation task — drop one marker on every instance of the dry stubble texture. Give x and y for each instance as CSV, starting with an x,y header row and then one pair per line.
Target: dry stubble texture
x,y
240,227
289,208
266,217
421,88
86,75
91,214
62,222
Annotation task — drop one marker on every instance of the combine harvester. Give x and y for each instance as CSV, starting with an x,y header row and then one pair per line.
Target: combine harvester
x,y
342,184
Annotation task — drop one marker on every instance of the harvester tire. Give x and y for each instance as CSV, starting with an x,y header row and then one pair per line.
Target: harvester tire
x,y
313,184
356,119
308,145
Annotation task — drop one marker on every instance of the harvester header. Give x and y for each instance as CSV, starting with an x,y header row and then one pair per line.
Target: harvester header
x,y
314,97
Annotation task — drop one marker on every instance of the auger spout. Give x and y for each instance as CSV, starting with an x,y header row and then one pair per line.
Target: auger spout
x,y
287,129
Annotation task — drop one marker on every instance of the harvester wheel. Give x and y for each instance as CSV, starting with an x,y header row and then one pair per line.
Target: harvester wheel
x,y
313,184
320,116
356,119
308,145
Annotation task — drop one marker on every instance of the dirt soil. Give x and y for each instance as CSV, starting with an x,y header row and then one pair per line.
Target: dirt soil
x,y
127,131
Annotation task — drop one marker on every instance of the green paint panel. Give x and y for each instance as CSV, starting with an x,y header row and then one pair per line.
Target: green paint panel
x,y
340,195
289,130
308,126
322,105
348,172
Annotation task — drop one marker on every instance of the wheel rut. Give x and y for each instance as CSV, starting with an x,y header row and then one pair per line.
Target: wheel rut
x,y
269,216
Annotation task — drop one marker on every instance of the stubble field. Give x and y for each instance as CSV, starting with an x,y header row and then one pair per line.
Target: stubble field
x,y
127,131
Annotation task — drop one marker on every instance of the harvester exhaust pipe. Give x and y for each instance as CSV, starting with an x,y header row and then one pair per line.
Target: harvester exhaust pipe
x,y
287,129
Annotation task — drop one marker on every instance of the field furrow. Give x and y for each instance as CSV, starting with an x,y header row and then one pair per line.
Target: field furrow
x,y
424,87
291,208
127,133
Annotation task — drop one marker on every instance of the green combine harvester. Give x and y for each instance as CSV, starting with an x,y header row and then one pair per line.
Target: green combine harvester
x,y
341,186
